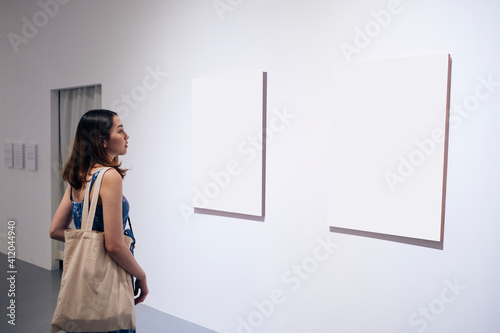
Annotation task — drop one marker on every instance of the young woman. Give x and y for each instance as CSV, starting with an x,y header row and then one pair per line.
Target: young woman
x,y
100,139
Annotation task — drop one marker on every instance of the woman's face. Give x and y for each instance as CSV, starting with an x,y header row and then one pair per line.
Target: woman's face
x,y
118,139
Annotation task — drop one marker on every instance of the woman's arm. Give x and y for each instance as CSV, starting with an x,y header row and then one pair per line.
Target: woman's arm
x,y
62,218
111,197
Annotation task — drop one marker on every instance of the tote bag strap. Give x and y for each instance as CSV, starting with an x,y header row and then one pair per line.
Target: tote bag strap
x,y
88,215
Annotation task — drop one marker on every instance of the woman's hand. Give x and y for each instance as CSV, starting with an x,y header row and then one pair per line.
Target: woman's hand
x,y
141,285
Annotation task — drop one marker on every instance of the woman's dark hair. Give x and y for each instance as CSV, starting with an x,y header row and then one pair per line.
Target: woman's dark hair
x,y
88,149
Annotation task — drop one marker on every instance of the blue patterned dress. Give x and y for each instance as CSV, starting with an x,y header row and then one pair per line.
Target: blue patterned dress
x,y
98,225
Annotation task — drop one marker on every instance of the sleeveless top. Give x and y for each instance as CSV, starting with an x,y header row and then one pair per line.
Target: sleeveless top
x,y
98,225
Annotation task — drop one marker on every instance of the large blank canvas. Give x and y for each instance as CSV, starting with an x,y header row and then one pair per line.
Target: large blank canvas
x,y
385,113
226,111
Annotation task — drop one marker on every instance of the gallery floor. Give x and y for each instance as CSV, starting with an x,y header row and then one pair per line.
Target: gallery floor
x,y
36,291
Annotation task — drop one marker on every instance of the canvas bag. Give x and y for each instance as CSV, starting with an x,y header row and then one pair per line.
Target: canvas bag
x,y
96,293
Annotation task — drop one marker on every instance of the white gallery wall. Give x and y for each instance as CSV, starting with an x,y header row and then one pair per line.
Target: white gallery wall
x,y
288,273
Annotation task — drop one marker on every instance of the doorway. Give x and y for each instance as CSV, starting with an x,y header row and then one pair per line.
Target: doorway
x,y
67,107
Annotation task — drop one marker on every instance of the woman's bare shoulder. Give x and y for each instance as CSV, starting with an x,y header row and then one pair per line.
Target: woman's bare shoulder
x,y
112,178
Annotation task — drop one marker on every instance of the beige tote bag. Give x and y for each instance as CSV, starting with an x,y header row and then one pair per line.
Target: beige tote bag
x,y
96,293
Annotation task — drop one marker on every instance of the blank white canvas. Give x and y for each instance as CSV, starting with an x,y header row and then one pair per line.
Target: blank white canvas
x,y
384,112
226,111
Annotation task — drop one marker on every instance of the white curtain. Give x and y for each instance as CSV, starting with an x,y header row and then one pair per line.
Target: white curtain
x,y
73,103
